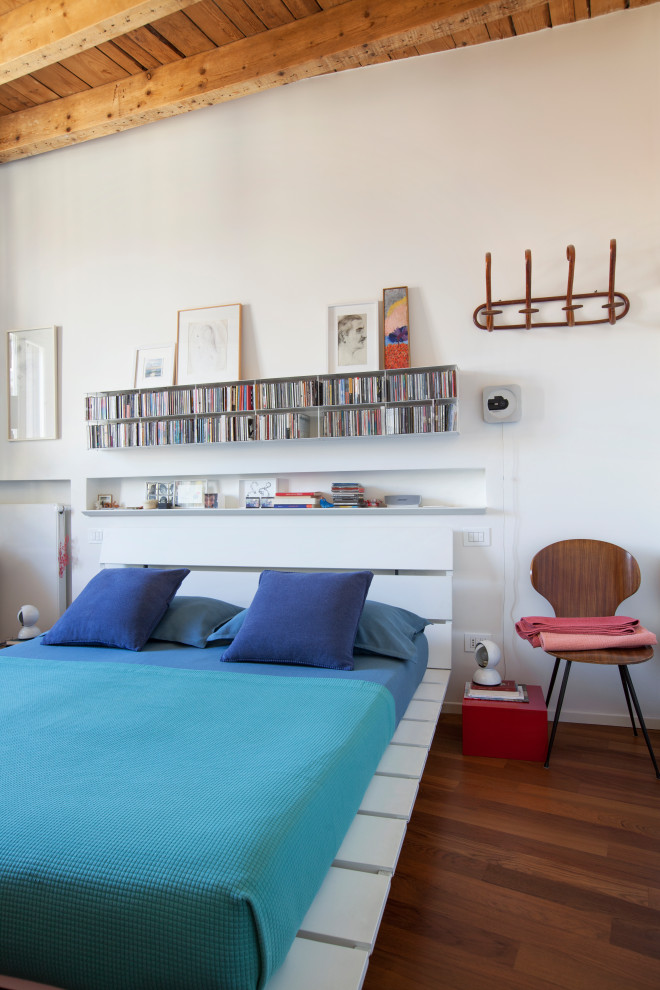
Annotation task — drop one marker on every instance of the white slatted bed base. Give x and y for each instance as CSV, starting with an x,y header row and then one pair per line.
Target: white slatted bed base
x,y
338,933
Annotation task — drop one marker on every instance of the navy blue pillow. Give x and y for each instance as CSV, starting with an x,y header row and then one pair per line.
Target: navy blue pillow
x,y
191,619
302,618
384,629
119,607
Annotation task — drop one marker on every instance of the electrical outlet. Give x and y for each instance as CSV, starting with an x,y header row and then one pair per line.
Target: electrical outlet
x,y
471,640
95,536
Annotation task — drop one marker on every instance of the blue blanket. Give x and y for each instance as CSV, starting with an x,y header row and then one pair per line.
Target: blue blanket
x,y
164,828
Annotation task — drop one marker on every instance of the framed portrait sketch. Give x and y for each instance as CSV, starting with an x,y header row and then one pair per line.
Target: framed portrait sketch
x,y
32,384
353,344
154,366
396,328
209,345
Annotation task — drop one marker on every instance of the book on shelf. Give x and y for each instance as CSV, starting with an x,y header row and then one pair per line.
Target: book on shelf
x,y
303,495
506,691
296,505
291,501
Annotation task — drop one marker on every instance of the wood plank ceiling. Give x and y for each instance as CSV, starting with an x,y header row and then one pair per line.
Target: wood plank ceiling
x,y
71,70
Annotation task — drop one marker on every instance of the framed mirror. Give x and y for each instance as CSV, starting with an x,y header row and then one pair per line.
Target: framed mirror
x,y
32,384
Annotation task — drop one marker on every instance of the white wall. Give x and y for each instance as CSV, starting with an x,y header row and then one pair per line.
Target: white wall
x,y
322,193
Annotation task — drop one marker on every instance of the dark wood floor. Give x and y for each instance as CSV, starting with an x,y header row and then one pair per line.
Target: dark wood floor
x,y
513,877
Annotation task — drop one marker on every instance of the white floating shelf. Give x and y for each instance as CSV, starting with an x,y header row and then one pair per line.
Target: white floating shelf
x,y
414,510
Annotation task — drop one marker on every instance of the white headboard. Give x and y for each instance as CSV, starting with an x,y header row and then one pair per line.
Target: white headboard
x,y
412,559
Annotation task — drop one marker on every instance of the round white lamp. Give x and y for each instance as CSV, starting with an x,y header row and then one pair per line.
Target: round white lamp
x,y
488,655
28,616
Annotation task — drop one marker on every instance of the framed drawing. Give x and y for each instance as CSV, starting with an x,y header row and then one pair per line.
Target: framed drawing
x,y
154,366
396,328
252,492
209,345
353,338
190,494
32,384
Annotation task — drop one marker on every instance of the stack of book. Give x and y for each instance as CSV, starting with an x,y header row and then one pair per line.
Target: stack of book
x,y
348,494
506,691
297,500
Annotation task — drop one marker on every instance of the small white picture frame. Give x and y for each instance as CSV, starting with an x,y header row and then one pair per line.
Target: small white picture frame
x,y
154,366
353,338
209,345
190,494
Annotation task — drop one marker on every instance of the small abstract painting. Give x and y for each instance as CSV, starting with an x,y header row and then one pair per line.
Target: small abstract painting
x,y
396,335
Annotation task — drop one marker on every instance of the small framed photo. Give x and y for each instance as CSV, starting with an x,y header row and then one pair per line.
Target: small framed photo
x,y
105,501
190,494
353,343
396,328
154,366
209,345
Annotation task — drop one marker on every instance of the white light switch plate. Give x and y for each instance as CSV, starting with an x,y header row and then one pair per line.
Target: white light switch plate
x,y
476,537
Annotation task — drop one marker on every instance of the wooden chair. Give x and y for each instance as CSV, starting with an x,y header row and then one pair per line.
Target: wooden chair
x,y
584,578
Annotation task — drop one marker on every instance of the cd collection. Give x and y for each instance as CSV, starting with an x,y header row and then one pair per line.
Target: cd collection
x,y
408,401
282,426
286,394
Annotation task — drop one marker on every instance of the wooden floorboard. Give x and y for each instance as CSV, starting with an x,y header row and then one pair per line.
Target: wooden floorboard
x,y
514,877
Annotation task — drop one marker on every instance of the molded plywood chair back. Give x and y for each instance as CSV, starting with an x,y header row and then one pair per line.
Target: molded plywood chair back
x,y
584,578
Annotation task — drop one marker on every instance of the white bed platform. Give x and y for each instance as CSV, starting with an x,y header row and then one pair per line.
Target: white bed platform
x,y
412,561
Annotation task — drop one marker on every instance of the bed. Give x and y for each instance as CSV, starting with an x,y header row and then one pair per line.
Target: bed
x,y
187,817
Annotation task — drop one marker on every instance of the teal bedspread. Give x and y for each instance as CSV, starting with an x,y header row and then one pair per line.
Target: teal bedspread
x,y
164,828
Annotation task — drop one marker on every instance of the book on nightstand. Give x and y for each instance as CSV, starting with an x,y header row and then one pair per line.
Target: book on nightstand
x,y
506,691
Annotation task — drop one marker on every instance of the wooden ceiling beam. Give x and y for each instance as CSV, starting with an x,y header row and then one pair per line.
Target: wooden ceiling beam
x,y
42,32
353,33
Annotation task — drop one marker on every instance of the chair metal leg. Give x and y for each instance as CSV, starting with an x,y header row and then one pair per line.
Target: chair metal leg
x,y
567,670
552,682
625,676
626,692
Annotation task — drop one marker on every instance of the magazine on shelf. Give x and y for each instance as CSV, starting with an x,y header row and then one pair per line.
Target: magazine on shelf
x,y
506,691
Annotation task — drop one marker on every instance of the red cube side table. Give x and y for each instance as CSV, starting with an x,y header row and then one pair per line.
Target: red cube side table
x,y
510,730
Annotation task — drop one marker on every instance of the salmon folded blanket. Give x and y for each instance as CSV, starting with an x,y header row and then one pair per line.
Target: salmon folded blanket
x,y
532,626
556,642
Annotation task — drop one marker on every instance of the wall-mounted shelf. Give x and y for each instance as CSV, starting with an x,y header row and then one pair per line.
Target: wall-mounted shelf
x,y
430,510
444,490
411,401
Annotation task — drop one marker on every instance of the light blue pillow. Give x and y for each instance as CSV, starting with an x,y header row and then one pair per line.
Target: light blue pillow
x,y
384,629
229,630
191,619
119,607
302,618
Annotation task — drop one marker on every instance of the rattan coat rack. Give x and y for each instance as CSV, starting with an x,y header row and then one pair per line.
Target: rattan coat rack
x,y
617,305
